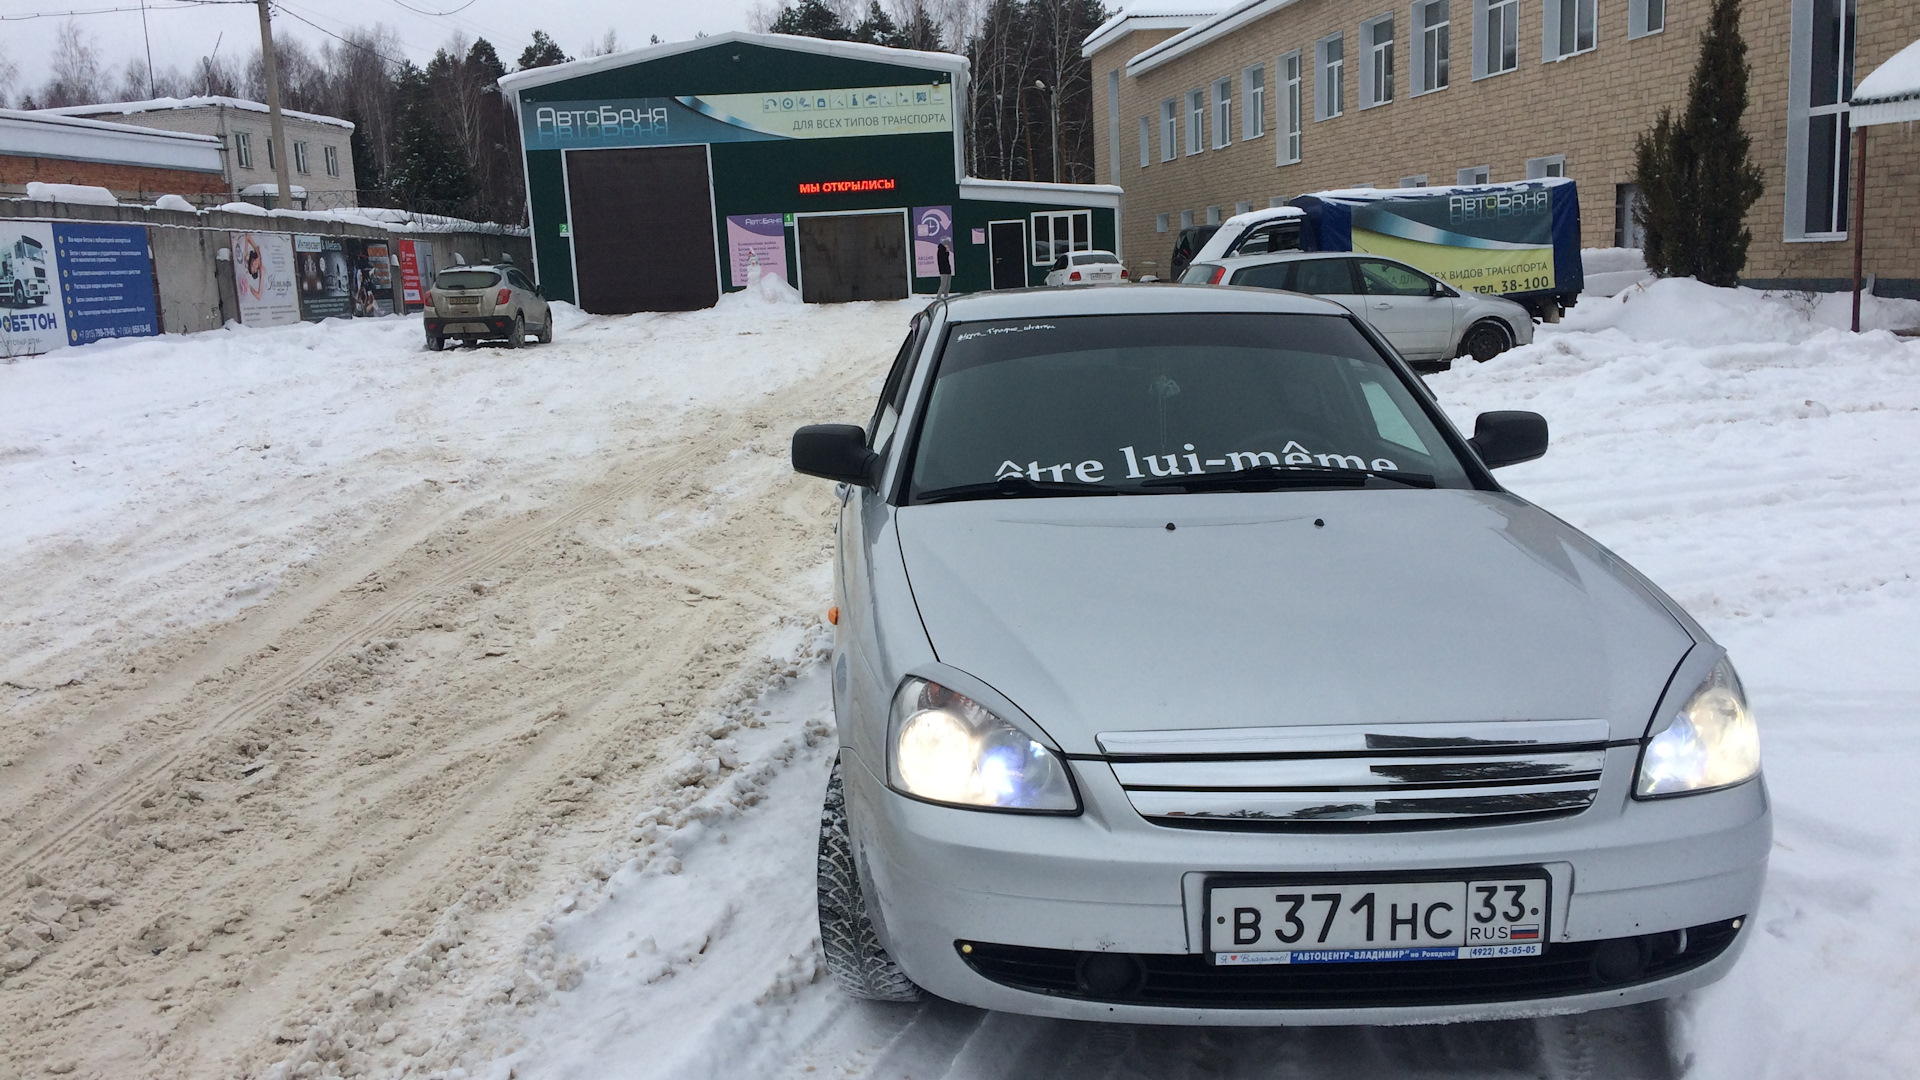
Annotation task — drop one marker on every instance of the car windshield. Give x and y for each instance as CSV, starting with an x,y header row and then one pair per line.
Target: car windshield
x,y
1093,257
466,279
1124,404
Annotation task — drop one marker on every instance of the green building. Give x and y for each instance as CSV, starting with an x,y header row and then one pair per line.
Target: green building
x,y
661,177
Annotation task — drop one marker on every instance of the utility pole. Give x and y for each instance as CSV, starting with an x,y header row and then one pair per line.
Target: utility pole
x,y
278,148
1053,114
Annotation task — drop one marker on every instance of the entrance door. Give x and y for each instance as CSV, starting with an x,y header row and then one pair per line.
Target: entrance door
x,y
845,257
1007,248
642,223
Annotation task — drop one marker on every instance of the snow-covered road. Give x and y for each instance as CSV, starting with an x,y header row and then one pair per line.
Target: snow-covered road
x,y
411,779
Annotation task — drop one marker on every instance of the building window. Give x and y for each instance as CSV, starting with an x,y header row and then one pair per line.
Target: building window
x,y
331,155
1159,223
1243,207
1818,124
1169,137
1277,200
1414,181
1213,215
1253,102
1496,30
1540,168
300,164
1627,232
1376,61
1289,144
1430,52
1646,17
1186,219
1058,232
1567,29
1222,113
1474,174
1330,57
243,149
1146,140
1196,121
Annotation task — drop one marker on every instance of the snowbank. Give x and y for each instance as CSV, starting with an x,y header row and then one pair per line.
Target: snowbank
x,y
1684,311
173,202
80,194
1608,271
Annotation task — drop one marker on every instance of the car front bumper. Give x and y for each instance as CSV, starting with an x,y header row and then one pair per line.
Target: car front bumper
x,y
469,325
1107,881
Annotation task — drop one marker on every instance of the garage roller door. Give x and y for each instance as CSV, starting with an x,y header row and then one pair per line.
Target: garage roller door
x,y
853,257
642,224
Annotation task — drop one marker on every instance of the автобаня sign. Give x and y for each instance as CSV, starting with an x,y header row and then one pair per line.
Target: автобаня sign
x,y
788,114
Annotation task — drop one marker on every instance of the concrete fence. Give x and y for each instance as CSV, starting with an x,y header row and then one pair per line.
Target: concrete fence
x,y
193,279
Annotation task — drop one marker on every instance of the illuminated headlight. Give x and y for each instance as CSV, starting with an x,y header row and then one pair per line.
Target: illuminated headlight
x,y
1712,742
946,747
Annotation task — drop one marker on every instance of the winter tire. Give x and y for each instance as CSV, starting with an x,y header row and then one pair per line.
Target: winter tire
x,y
1485,340
545,337
517,336
854,954
19,295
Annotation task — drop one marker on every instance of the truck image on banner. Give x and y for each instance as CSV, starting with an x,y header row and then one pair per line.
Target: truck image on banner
x,y
1518,240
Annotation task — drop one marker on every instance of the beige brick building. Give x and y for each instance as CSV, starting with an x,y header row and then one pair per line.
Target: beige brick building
x,y
1209,114
319,163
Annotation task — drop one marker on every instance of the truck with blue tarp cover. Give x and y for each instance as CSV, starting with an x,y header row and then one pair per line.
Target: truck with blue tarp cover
x,y
1518,240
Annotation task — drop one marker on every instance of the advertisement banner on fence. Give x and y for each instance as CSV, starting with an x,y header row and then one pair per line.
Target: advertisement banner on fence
x,y
325,280
30,319
263,275
106,281
373,280
756,245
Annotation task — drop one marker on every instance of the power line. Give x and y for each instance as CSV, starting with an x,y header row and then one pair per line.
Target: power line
x,y
288,11
180,6
436,14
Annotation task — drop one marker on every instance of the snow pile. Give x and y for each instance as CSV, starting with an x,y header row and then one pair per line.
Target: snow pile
x,y
1684,311
1607,271
204,469
77,194
1899,77
174,202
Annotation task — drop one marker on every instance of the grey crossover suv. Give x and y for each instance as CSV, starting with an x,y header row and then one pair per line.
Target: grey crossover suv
x,y
477,303
1191,668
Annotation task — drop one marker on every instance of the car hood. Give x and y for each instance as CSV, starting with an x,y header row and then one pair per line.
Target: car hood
x,y
1143,613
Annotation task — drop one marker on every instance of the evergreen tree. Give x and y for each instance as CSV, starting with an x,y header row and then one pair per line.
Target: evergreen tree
x,y
429,169
878,28
1696,176
811,18
544,52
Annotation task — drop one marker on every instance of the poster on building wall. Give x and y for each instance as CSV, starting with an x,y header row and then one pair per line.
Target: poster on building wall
x,y
264,278
932,226
326,278
373,283
756,245
411,292
30,321
106,281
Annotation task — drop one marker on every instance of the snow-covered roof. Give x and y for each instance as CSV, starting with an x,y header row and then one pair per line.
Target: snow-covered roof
x,y
1892,93
973,187
847,50
72,138
1149,15
128,108
1228,20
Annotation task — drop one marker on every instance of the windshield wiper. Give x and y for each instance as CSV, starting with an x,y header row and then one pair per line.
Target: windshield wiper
x,y
1012,487
1268,477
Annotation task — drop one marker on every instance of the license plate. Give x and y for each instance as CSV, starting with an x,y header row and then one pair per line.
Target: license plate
x,y
1324,922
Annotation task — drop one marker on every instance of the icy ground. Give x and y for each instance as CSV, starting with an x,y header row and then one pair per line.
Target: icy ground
x,y
373,712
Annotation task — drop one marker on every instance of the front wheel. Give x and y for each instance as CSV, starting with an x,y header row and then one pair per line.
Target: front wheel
x,y
19,295
435,343
855,957
1485,340
517,336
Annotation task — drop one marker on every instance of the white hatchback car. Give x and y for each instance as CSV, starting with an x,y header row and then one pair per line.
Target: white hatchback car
x,y
1429,321
1087,268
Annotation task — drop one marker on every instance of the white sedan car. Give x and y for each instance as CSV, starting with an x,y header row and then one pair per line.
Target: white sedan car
x,y
1087,268
1429,321
1192,668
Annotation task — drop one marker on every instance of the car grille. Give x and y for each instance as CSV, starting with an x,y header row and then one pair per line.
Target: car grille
x,y
1392,775
1184,980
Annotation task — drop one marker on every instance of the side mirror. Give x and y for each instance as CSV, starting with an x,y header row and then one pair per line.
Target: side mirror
x,y
1440,288
1508,438
836,452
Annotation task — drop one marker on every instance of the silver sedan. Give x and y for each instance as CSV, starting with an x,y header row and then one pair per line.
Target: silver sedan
x,y
1191,668
1429,321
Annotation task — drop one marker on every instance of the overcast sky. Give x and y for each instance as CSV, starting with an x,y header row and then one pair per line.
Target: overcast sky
x,y
180,35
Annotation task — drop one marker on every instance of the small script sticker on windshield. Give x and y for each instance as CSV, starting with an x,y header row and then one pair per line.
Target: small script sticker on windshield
x,y
971,334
